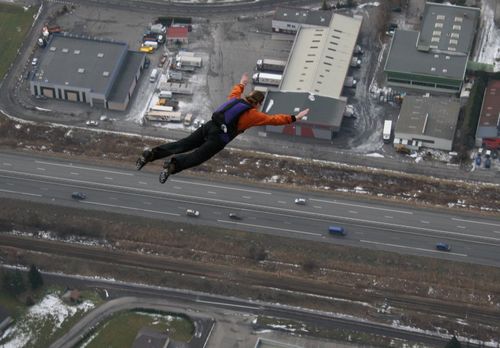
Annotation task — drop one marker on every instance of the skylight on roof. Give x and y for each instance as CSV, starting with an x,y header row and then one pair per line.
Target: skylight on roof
x,y
76,51
100,55
65,50
52,48
81,70
459,19
105,73
440,17
457,27
438,25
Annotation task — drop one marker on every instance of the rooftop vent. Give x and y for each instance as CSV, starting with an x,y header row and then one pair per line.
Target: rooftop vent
x,y
457,27
76,51
81,70
100,55
65,50
438,25
433,69
445,70
105,73
459,19
52,48
440,17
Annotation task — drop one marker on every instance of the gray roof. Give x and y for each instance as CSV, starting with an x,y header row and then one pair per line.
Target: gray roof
x,y
303,16
428,116
404,57
125,77
323,111
448,28
81,62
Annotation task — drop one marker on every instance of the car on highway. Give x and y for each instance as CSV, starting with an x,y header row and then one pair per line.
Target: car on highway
x,y
443,246
336,230
234,216
192,212
92,123
300,201
78,195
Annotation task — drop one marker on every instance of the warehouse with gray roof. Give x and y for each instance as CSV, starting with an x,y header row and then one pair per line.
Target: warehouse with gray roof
x,y
98,72
435,58
314,78
288,19
426,121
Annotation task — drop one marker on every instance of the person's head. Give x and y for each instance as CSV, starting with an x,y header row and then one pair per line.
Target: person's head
x,y
255,98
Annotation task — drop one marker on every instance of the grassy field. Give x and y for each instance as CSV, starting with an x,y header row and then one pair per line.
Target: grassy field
x,y
15,22
121,329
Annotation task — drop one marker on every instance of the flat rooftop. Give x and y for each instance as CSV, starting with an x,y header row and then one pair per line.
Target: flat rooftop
x,y
84,63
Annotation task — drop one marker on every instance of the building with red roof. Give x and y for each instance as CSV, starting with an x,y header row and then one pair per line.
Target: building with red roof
x,y
488,127
177,34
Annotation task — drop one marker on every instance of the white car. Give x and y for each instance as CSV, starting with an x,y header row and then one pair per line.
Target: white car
x,y
92,123
300,201
192,212
34,61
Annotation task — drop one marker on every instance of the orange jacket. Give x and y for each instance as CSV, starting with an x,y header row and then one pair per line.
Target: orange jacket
x,y
254,117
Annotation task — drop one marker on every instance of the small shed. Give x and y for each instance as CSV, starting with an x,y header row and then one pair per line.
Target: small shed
x,y
177,34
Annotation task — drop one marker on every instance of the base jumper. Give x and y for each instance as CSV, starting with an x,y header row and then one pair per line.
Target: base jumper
x,y
229,119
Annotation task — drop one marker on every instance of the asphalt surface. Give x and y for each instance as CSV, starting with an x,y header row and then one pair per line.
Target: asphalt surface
x,y
407,230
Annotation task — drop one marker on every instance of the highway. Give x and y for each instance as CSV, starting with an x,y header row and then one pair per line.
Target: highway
x,y
374,225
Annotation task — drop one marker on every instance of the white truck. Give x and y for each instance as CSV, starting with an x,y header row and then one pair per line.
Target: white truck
x,y
386,133
153,44
182,60
164,116
267,79
271,65
161,108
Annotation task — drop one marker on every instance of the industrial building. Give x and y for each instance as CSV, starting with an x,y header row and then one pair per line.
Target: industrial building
x,y
434,59
97,72
288,20
488,127
426,121
314,78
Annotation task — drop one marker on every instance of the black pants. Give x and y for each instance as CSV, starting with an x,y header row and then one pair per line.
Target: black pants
x,y
205,141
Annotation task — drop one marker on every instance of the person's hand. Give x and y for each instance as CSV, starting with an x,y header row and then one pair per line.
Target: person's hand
x,y
244,79
301,114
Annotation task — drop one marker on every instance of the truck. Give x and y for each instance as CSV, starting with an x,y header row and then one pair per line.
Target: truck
x,y
164,116
161,108
158,28
153,44
153,76
188,119
267,79
386,133
271,65
183,60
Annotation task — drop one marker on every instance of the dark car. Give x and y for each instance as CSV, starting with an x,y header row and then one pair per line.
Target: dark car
x,y
234,216
78,195
443,247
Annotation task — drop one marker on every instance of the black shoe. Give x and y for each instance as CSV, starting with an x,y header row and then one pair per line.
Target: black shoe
x,y
146,157
168,168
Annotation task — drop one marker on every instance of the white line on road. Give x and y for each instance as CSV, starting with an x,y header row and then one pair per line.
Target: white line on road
x,y
212,192
388,217
42,169
21,193
85,168
281,202
424,221
7,164
317,207
407,247
269,227
73,173
108,178
476,222
362,206
462,227
247,197
130,208
226,304
143,183
353,212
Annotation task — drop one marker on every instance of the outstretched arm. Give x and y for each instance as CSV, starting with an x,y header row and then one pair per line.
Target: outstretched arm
x,y
238,89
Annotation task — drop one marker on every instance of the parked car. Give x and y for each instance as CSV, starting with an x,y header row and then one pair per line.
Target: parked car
x,y
478,159
78,196
300,201
234,216
146,63
92,123
34,61
443,246
487,163
192,212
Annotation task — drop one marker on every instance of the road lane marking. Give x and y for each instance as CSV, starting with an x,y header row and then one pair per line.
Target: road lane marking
x,y
361,206
269,227
461,227
84,168
317,207
353,212
7,164
388,217
246,197
413,248
476,222
226,304
108,178
22,193
424,221
142,183
130,208
42,169
221,187
73,173
211,192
